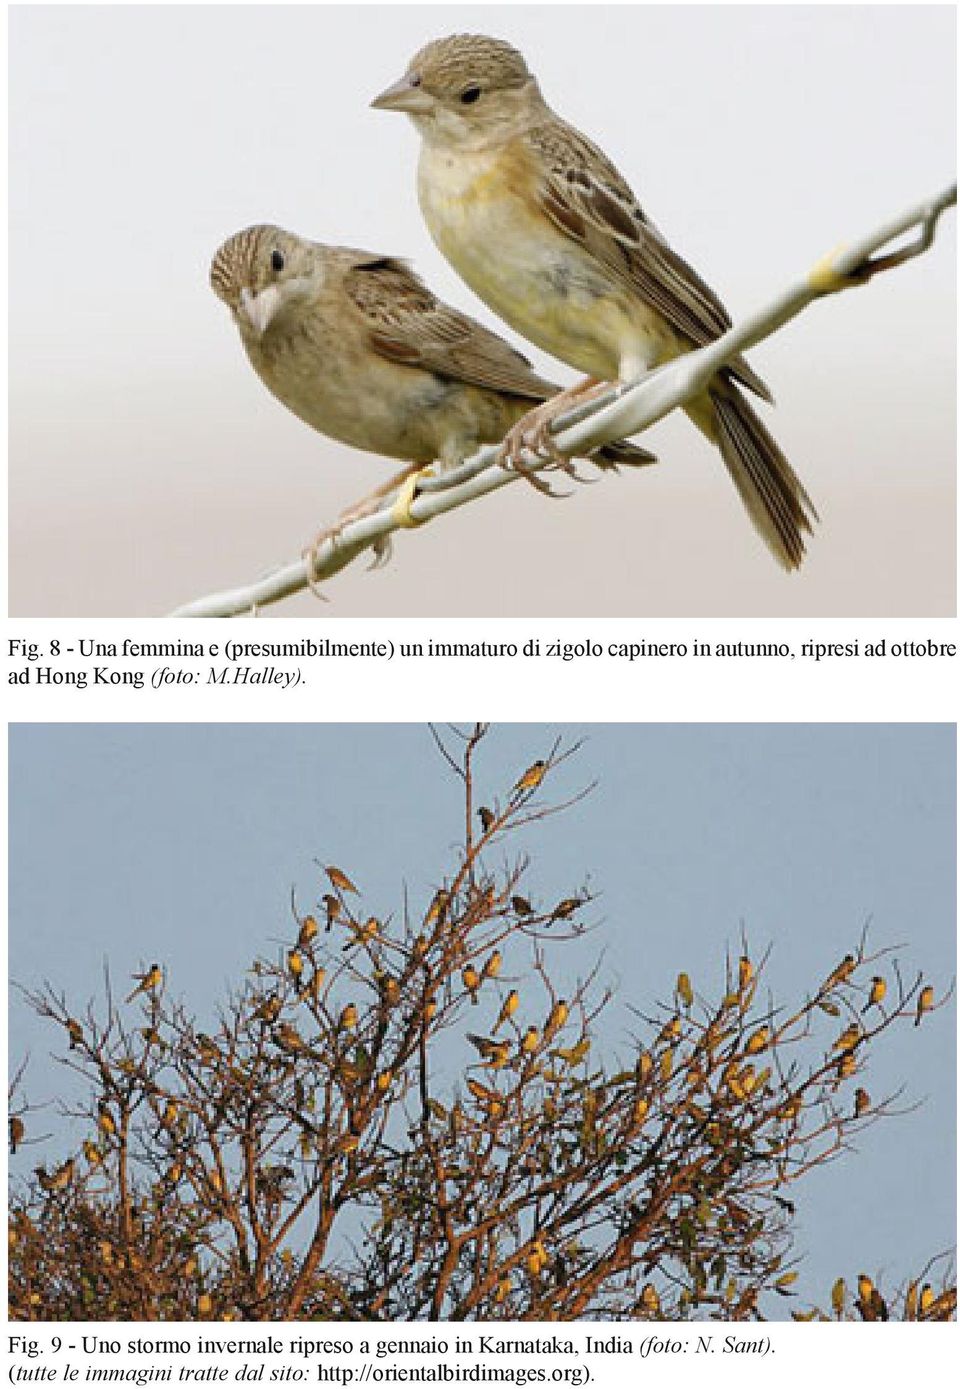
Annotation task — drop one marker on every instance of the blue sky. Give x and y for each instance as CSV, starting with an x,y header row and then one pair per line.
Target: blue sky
x,y
182,843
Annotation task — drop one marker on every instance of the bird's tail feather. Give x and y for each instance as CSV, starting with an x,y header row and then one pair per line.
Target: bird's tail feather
x,y
775,498
624,455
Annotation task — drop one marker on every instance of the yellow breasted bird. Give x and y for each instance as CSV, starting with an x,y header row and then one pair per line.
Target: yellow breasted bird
x,y
491,967
878,991
531,778
557,1017
149,982
471,982
924,1003
508,1008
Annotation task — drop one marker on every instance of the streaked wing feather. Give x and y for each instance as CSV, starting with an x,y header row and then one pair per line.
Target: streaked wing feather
x,y
407,323
586,198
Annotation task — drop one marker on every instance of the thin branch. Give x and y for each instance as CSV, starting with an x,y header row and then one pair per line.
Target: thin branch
x,y
625,411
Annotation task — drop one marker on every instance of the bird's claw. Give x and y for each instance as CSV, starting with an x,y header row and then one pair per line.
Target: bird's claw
x,y
533,436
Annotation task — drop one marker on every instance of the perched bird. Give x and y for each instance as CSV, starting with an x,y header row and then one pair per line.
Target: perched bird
x,y
295,963
684,989
495,1053
75,1033
149,982
491,1099
437,909
841,974
508,1008
471,982
356,346
861,1102
878,991
556,1018
92,1153
338,878
744,972
530,1041
105,1119
58,1180
838,1297
333,909
487,819
573,1056
545,230
537,1258
17,1132
289,1038
650,1300
531,778
757,1041
491,967
924,1003
848,1038
348,1018
308,929
521,906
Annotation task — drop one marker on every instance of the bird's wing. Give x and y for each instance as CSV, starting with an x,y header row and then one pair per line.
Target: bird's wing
x,y
585,197
406,323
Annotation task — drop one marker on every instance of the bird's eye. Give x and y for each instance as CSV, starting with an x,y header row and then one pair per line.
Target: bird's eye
x,y
469,95
276,260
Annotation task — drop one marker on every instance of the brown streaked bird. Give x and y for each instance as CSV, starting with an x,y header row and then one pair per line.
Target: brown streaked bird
x,y
543,227
338,878
356,346
494,1052
17,1131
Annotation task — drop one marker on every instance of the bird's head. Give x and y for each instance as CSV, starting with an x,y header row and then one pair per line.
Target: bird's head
x,y
261,272
465,90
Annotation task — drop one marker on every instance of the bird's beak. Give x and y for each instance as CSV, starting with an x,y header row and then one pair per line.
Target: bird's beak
x,y
260,309
405,95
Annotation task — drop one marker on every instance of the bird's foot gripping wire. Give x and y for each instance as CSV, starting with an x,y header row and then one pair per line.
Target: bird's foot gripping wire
x,y
533,435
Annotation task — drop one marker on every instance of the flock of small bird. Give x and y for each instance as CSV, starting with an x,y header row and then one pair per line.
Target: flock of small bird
x,y
544,229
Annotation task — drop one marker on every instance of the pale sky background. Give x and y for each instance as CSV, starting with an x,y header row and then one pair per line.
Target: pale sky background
x,y
148,465
181,843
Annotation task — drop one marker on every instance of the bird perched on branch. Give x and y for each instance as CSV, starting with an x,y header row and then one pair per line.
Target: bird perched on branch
x,y
357,346
149,982
546,231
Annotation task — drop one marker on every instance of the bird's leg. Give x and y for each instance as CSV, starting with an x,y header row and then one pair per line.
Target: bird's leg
x,y
533,432
365,507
